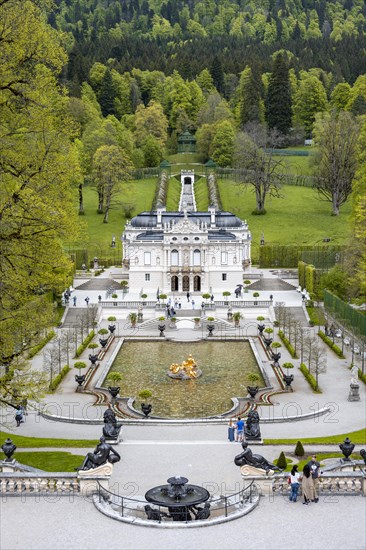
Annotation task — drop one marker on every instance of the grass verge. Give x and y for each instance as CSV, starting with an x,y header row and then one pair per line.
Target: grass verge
x,y
56,461
24,441
358,437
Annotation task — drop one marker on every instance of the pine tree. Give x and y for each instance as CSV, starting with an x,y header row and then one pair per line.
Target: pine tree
x,y
107,94
217,74
250,91
279,99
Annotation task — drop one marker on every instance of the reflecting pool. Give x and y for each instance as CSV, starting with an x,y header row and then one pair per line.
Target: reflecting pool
x,y
225,367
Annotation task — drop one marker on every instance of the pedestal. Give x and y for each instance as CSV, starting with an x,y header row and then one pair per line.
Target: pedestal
x,y
354,392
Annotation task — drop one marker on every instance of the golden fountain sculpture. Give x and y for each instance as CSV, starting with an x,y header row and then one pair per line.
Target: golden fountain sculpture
x,y
186,371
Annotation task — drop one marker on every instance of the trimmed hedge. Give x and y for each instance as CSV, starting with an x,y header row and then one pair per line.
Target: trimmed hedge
x,y
85,344
41,344
290,348
329,343
310,378
56,381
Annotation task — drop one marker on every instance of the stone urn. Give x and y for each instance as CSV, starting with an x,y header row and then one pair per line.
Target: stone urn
x,y
146,409
267,342
8,449
111,328
93,358
161,327
103,342
252,390
210,328
80,379
114,391
275,358
288,379
261,327
347,448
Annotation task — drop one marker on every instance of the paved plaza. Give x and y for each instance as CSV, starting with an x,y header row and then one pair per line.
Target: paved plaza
x,y
152,451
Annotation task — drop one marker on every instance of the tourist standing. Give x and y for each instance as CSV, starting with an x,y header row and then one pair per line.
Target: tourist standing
x,y
193,303
19,415
231,430
180,303
307,485
74,300
295,483
239,430
188,296
87,300
314,466
212,298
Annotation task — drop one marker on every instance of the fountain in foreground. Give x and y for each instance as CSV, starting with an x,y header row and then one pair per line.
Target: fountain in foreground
x,y
186,371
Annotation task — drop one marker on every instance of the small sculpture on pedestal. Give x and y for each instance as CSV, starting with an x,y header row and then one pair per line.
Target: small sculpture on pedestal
x,y
102,454
111,428
354,388
247,458
252,429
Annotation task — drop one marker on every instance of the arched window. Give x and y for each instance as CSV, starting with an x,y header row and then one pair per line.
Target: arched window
x,y
197,257
174,257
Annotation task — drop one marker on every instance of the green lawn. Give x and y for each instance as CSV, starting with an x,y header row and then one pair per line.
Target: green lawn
x,y
173,195
298,217
56,461
298,165
201,194
97,235
24,441
358,437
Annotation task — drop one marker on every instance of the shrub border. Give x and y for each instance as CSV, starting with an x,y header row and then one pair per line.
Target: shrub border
x,y
57,380
290,348
85,344
329,343
309,378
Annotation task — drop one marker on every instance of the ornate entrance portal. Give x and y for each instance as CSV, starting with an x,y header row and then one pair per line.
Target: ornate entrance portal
x,y
174,284
197,283
185,287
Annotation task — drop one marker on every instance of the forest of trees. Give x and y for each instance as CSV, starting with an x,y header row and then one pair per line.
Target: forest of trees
x,y
168,35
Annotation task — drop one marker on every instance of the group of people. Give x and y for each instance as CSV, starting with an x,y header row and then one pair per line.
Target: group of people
x,y
309,481
236,429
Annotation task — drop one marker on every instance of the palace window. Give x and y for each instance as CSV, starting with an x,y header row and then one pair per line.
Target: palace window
x,y
196,257
174,257
147,276
147,258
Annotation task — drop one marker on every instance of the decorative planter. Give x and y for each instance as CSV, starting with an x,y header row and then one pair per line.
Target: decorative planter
x,y
267,342
288,379
252,390
114,391
111,328
80,378
93,358
146,409
275,358
261,327
103,342
161,327
210,328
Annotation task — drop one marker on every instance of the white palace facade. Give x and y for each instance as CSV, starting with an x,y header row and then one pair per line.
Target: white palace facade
x,y
186,251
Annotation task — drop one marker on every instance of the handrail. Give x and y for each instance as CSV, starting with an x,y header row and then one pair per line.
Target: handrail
x,y
239,496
